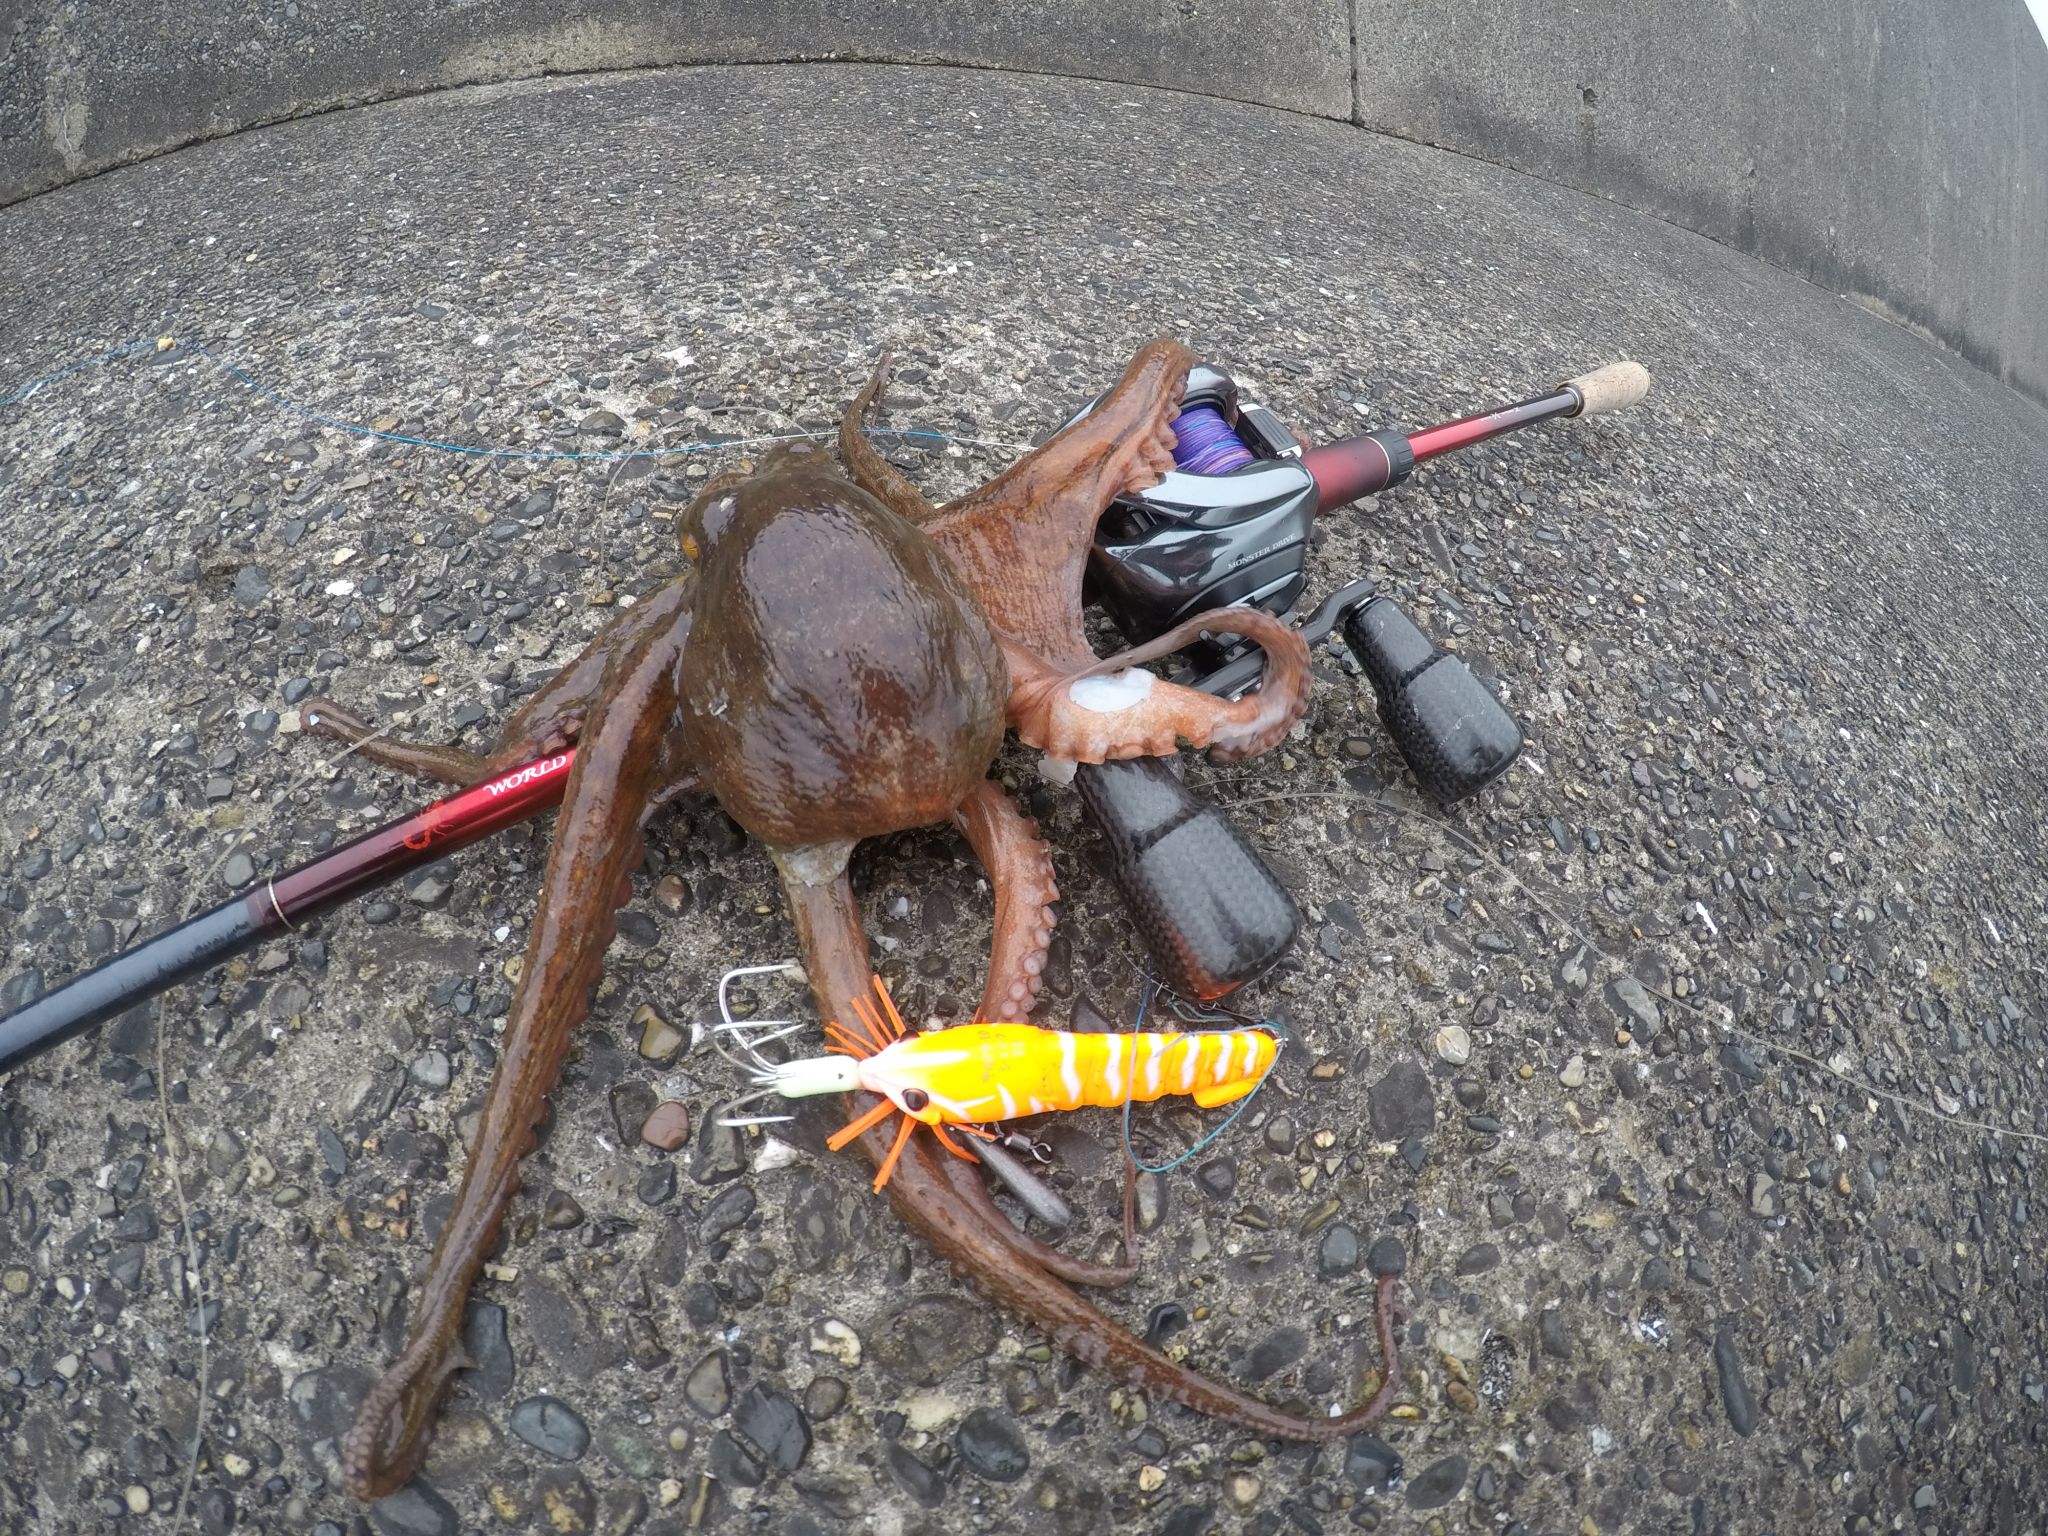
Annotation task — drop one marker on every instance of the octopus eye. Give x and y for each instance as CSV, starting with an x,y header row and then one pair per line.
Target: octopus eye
x,y
916,1100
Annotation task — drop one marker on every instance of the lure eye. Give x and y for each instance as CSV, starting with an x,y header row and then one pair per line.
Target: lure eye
x,y
916,1100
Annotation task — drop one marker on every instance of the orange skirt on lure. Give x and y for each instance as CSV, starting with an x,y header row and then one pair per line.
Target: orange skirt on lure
x,y
971,1074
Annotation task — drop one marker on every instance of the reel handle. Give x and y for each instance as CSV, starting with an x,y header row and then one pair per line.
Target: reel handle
x,y
1452,732
1211,912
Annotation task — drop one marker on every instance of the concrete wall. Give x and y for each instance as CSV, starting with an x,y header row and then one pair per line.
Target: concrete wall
x,y
86,84
1896,150
1893,150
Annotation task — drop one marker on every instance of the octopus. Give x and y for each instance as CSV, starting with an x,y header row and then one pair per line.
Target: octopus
x,y
840,660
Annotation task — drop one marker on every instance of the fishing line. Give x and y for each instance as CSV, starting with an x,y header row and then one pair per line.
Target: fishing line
x,y
127,349
1206,444
358,429
1270,1026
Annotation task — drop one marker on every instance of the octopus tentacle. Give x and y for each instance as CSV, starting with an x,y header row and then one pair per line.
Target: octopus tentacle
x,y
1022,540
1019,865
962,1235
595,848
448,764
545,724
870,471
828,930
966,1183
1148,717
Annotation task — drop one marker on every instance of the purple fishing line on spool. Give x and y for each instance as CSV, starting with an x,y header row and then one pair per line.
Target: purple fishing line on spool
x,y
1204,443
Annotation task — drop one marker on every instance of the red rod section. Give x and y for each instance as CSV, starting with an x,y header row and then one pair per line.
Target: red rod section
x,y
1370,462
1431,441
1351,467
448,824
195,946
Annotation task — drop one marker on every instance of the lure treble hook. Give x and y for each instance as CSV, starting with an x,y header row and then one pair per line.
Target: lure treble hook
x,y
750,1035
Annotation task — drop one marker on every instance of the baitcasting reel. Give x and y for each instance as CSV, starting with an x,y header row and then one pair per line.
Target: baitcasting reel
x,y
1230,525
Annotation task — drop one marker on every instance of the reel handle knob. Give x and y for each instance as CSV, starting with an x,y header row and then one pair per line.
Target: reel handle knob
x,y
1212,914
1450,729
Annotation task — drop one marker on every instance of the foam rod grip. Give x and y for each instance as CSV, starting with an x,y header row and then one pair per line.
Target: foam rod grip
x,y
1453,733
1211,913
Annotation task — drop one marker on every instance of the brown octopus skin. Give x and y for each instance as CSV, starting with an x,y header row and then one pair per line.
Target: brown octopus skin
x,y
966,1183
924,1201
545,724
1019,864
848,684
1039,516
812,745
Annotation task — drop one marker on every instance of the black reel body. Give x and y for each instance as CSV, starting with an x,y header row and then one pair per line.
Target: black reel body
x,y
1195,542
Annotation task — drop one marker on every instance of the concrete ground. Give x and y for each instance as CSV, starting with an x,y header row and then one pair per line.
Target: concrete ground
x,y
1726,1223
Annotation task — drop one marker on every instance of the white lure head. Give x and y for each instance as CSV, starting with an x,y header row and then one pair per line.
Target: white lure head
x,y
900,1073
809,1076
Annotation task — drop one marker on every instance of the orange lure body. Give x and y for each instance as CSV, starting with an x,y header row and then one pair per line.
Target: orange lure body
x,y
974,1073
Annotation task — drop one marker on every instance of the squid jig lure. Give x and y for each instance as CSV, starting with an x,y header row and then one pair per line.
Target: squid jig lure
x,y
971,1075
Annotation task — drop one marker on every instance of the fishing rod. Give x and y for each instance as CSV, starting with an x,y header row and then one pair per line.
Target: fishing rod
x,y
281,904
1229,524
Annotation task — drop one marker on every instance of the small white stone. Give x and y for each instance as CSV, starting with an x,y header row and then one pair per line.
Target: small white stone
x,y
833,1338
340,588
237,1466
775,1154
670,1491
136,1497
1574,1073
1454,1045
928,1411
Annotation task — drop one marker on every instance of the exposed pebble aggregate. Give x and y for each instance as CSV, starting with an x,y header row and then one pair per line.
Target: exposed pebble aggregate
x,y
1774,637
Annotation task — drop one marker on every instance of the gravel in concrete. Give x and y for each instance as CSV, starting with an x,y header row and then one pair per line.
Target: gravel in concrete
x,y
1775,636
